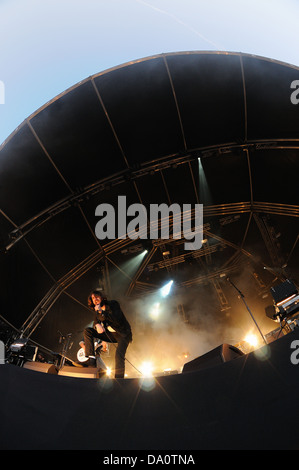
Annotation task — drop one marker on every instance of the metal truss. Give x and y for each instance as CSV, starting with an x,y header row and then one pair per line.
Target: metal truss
x,y
78,198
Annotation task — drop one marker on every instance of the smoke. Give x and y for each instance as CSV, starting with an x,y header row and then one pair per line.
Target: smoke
x,y
168,337
170,331
189,322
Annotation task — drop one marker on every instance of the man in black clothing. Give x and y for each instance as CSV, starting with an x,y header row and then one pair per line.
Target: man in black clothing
x,y
110,325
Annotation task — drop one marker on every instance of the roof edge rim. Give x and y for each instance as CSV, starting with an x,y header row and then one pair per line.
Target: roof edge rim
x,y
129,63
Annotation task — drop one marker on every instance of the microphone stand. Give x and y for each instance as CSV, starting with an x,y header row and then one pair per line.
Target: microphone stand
x,y
243,299
66,345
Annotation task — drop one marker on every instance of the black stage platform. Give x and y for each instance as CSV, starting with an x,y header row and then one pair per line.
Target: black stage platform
x,y
250,402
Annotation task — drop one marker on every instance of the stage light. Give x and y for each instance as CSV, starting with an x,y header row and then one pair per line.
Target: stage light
x,y
155,311
20,351
170,371
108,371
146,369
18,345
251,340
203,187
166,289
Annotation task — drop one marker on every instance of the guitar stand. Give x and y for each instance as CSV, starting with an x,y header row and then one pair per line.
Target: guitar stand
x,y
66,346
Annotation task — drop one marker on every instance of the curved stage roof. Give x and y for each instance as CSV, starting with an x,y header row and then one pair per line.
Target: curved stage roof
x,y
197,127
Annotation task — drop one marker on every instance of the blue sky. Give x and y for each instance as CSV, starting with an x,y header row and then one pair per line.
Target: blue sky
x,y
46,46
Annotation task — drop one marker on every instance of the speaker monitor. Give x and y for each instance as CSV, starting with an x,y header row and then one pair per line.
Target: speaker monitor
x,y
40,367
81,372
219,355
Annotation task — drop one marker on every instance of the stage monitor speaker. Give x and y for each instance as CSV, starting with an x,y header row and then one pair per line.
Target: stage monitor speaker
x,y
81,372
41,367
223,353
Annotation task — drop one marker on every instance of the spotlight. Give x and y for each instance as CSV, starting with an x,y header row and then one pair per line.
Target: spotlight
x,y
169,371
251,340
203,187
18,345
166,289
20,351
155,311
146,369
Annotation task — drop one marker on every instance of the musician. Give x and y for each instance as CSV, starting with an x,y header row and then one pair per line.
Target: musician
x,y
110,325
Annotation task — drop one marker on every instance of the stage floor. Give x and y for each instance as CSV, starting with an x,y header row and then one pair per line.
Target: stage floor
x,y
250,402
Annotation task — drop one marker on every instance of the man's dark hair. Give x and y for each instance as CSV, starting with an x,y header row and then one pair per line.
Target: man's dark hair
x,y
95,292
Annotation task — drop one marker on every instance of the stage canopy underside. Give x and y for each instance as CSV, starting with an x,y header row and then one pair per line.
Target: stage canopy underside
x,y
218,129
